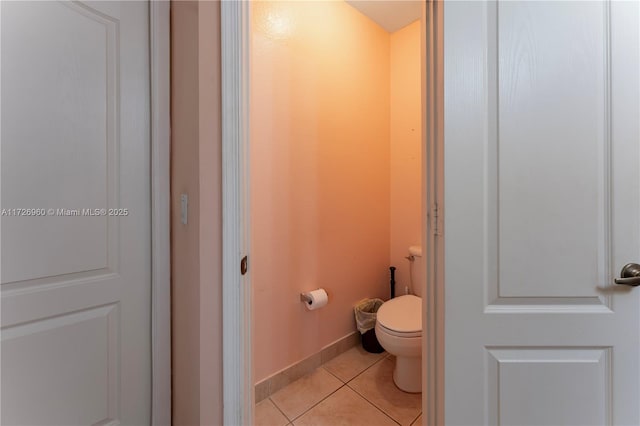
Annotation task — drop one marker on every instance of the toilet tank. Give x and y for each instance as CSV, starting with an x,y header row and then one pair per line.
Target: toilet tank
x,y
418,270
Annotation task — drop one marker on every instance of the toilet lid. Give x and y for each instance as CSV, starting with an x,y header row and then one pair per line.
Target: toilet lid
x,y
402,314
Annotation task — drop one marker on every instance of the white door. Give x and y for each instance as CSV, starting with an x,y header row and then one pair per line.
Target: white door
x,y
75,224
542,197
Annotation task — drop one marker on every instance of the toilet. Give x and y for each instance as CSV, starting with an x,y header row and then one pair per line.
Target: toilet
x,y
399,328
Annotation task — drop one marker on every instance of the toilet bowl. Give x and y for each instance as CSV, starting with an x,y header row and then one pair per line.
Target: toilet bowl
x,y
399,330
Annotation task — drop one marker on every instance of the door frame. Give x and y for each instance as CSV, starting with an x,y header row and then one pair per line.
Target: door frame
x,y
433,214
237,381
238,391
159,45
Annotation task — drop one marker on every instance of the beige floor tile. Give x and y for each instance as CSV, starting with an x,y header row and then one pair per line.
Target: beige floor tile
x,y
352,362
376,385
266,414
304,393
345,407
418,421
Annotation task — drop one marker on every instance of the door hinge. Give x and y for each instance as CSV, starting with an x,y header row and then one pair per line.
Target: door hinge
x,y
435,219
244,265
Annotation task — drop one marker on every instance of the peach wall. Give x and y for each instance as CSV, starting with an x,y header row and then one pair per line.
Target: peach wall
x,y
185,273
406,149
210,161
196,247
320,173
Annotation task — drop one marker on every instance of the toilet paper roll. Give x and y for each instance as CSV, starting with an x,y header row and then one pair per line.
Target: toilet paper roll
x,y
317,299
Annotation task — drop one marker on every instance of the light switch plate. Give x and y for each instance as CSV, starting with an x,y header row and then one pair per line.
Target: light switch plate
x,y
184,208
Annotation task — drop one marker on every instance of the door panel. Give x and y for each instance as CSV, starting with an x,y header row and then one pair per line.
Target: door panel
x,y
75,280
572,384
552,194
542,197
67,115
66,363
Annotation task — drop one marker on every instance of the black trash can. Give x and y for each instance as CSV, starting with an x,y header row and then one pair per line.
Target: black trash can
x,y
370,342
365,313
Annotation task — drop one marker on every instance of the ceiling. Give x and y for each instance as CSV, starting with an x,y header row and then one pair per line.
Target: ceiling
x,y
389,14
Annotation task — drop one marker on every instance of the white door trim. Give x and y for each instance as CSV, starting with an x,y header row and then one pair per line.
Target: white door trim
x,y
159,32
237,363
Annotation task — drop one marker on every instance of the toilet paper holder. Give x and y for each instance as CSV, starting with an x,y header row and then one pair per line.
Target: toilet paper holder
x,y
315,299
305,298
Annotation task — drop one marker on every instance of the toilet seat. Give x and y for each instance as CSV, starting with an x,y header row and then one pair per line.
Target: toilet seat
x,y
401,316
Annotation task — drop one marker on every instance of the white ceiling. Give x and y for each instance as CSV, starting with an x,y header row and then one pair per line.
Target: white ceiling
x,y
389,14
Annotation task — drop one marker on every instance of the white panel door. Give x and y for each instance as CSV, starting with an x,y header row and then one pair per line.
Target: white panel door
x,y
542,197
75,225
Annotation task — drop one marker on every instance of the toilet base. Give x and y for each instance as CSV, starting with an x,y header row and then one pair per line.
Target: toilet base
x,y
407,374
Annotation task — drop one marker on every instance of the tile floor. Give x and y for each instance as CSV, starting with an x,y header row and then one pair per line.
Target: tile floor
x,y
355,388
